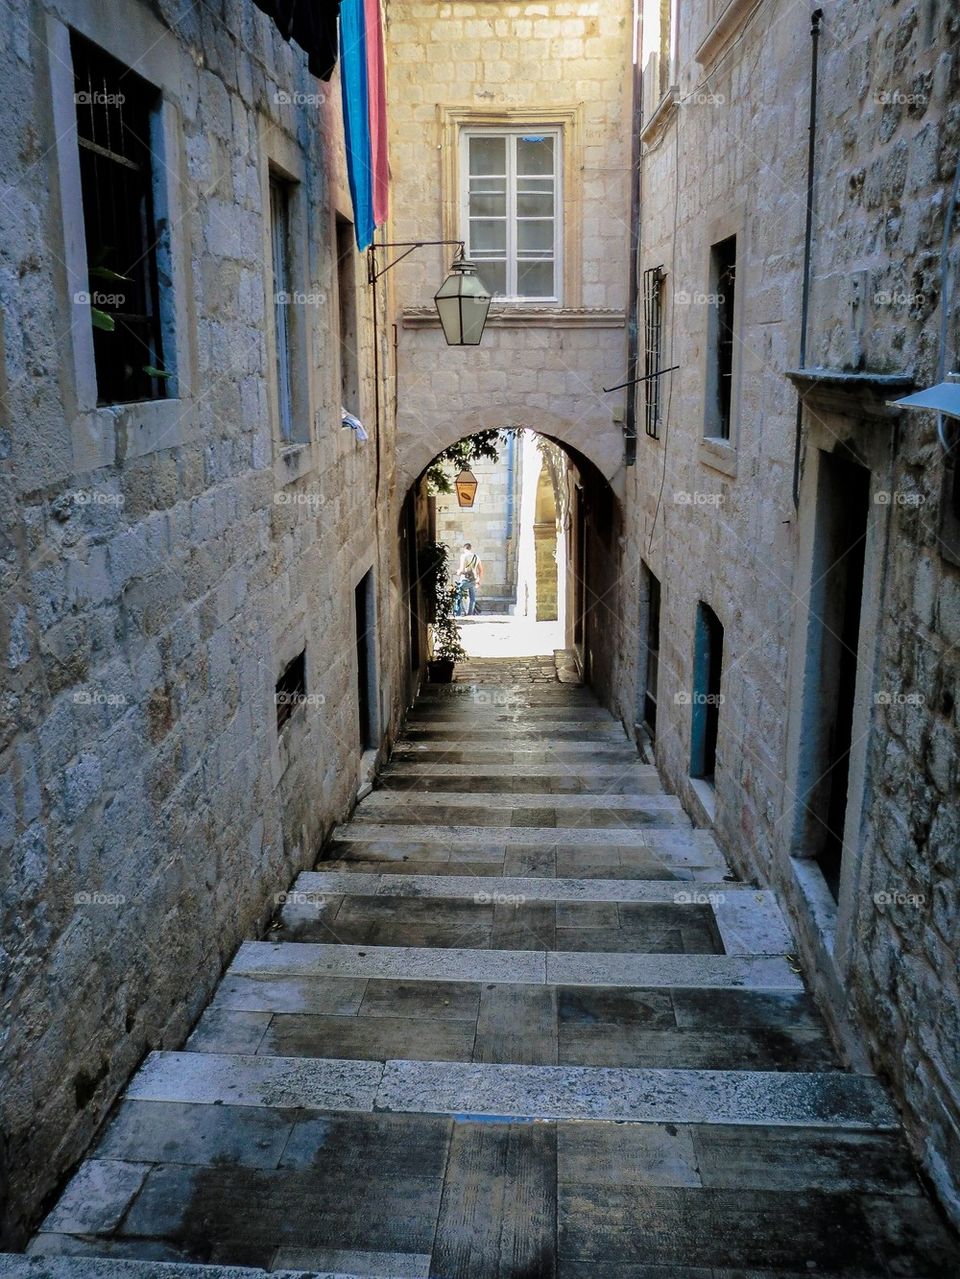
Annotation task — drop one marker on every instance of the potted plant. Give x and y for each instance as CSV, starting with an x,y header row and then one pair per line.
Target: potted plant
x,y
441,596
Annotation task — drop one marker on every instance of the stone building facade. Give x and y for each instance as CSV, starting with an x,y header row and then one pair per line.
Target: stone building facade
x,y
167,561
832,625
551,70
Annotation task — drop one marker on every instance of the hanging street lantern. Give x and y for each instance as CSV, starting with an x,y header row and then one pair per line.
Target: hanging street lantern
x,y
462,303
466,486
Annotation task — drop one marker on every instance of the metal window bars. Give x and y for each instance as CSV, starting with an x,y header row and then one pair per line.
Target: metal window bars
x,y
653,279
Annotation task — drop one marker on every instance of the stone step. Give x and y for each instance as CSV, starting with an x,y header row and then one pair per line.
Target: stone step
x,y
519,780
529,967
470,725
824,1099
537,862
669,837
486,816
749,920
413,767
87,1265
374,1019
572,750
483,922
469,713
314,884
468,799
512,733
470,756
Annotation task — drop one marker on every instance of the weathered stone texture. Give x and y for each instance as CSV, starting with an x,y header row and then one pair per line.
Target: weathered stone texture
x,y
150,601
567,58
731,156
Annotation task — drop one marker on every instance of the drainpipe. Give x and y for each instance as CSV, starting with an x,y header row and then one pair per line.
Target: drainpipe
x,y
630,422
815,19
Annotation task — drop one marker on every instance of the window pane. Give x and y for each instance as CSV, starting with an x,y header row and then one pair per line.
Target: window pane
x,y
538,205
535,154
535,238
113,108
488,234
494,277
488,205
488,155
498,185
535,279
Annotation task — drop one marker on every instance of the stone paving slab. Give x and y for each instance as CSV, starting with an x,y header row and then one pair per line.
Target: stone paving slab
x,y
16,1266
680,840
645,1096
752,924
533,799
243,1080
301,959
759,972
407,962
584,772
484,888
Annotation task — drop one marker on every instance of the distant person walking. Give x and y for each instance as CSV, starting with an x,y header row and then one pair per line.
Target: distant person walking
x,y
469,575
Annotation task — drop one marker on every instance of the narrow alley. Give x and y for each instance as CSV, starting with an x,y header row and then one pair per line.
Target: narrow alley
x,y
480,639
522,1022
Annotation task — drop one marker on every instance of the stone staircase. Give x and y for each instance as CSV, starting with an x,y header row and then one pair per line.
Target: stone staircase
x,y
519,1024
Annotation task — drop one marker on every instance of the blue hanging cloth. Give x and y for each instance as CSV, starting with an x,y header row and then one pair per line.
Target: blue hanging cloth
x,y
356,117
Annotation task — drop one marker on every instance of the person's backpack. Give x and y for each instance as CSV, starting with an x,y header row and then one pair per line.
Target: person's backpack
x,y
470,569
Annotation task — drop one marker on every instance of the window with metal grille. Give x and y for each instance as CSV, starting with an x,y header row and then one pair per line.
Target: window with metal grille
x,y
115,110
652,337
511,207
291,688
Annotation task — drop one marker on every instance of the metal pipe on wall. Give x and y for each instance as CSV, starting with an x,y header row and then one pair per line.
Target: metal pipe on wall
x,y
815,19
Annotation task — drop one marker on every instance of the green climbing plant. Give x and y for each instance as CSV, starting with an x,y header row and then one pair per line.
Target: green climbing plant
x,y
460,456
440,594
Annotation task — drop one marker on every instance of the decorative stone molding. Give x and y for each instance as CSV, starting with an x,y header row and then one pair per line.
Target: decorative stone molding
x,y
521,317
856,395
730,18
661,117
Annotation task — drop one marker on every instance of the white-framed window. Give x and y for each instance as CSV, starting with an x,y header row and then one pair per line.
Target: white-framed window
x,y
511,207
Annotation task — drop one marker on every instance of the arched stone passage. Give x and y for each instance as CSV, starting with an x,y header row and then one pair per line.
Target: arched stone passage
x,y
601,444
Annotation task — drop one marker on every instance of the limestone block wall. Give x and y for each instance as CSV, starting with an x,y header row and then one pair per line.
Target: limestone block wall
x,y
543,367
160,566
719,525
890,142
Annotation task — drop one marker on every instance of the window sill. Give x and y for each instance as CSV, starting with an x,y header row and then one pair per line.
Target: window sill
x,y
522,315
719,455
293,462
118,432
704,797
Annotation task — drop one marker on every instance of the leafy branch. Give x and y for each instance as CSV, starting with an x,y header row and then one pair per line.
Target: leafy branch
x,y
459,457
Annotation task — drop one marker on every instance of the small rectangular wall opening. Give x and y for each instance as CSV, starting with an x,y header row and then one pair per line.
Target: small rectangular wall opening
x,y
649,647
291,689
367,682
833,641
720,339
707,697
347,315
